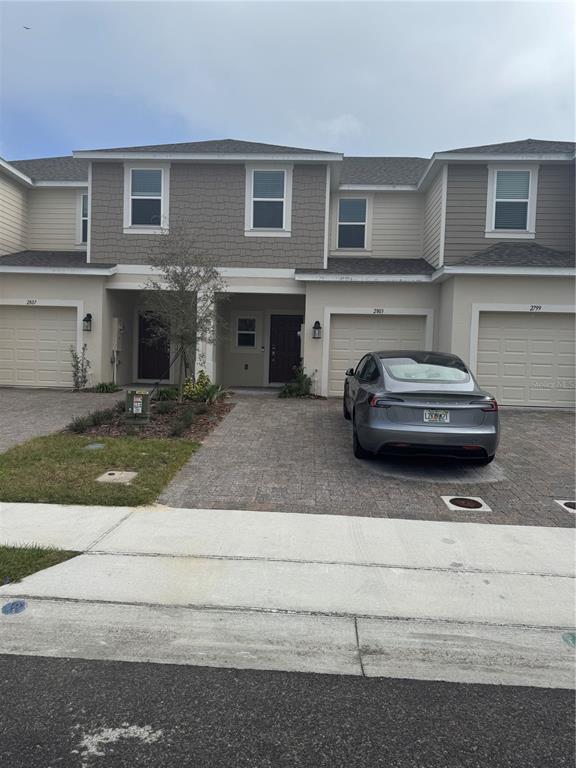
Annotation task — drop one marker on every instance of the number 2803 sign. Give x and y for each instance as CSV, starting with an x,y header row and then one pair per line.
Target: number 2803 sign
x,y
377,311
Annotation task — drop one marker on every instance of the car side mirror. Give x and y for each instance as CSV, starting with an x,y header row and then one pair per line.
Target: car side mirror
x,y
350,372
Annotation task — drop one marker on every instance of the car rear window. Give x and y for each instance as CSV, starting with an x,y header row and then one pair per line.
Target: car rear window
x,y
431,368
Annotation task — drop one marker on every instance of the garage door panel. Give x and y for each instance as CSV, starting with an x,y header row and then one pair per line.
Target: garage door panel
x,y
527,358
35,345
352,336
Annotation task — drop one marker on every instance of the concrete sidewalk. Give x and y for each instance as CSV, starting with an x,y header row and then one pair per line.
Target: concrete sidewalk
x,y
404,598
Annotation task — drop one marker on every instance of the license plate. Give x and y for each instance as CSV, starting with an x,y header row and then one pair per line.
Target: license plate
x,y
437,417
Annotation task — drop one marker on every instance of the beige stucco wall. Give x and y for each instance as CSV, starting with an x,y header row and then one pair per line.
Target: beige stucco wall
x,y
59,287
525,291
388,296
243,367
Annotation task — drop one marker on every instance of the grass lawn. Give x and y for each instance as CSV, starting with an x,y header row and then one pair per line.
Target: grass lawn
x,y
58,469
17,562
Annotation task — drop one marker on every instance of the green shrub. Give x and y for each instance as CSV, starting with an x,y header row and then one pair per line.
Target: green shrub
x,y
215,392
80,424
166,393
80,367
97,418
106,386
301,386
196,389
183,423
165,407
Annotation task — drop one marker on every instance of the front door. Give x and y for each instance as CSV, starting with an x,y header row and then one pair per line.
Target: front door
x,y
153,354
284,347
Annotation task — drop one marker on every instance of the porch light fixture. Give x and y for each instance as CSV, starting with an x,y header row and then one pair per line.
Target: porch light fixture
x,y
87,322
317,330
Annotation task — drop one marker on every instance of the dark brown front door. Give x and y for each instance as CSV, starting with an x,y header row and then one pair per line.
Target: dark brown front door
x,y
284,347
153,354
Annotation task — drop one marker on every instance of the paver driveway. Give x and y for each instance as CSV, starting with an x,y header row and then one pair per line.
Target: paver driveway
x,y
27,413
295,456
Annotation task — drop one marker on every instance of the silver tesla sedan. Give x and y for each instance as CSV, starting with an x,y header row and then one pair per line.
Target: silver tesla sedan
x,y
419,403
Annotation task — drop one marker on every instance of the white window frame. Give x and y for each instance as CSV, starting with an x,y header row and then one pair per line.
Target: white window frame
x,y
367,224
246,315
249,229
511,234
80,218
140,229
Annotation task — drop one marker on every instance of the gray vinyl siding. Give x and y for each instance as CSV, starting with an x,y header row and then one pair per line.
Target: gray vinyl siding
x,y
208,202
394,226
13,200
555,207
466,210
433,222
53,219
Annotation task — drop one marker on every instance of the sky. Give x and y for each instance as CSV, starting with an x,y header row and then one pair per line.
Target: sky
x,y
377,78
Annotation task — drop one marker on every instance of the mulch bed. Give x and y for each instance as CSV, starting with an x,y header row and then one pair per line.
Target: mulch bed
x,y
161,424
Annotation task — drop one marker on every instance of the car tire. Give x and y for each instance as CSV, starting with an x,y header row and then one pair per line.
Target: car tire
x,y
357,449
345,411
485,461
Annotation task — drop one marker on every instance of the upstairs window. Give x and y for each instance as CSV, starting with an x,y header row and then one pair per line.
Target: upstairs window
x,y
84,217
145,197
268,194
511,201
511,210
268,201
352,222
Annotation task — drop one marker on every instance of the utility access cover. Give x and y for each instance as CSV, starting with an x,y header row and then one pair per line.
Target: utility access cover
x,y
116,476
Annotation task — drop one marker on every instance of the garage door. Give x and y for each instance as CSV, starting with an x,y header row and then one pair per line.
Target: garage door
x,y
352,336
527,358
35,346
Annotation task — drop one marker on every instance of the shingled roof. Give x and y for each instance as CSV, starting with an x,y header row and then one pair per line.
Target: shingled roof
x,y
371,266
61,259
383,170
519,254
54,168
218,146
522,147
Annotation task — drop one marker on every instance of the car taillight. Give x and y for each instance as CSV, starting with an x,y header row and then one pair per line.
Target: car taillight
x,y
381,401
490,406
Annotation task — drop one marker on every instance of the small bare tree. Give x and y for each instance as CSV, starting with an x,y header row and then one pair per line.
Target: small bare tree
x,y
181,299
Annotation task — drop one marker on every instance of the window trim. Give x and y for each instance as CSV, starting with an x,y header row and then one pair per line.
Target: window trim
x,y
246,315
249,229
511,234
143,229
80,218
367,224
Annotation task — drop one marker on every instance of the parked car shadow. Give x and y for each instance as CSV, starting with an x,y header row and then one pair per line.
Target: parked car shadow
x,y
435,469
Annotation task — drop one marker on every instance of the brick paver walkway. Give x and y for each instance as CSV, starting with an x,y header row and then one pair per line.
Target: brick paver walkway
x,y
296,456
27,413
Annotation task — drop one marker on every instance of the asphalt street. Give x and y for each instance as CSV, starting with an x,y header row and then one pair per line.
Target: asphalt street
x,y
96,714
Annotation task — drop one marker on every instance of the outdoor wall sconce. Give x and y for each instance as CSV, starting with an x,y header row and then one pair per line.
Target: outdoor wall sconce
x,y
87,322
317,330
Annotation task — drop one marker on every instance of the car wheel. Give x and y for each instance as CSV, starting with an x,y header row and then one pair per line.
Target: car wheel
x,y
345,411
483,462
357,449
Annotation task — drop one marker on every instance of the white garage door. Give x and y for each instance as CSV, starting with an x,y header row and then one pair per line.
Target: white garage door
x,y
527,358
352,336
35,346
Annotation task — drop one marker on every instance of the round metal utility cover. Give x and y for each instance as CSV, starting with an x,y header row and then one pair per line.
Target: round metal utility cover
x,y
94,446
465,503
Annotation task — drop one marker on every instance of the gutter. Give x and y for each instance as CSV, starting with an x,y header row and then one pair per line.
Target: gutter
x,y
439,275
